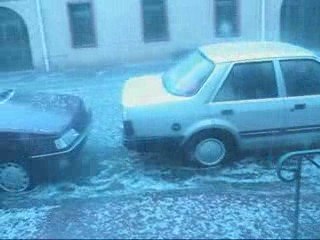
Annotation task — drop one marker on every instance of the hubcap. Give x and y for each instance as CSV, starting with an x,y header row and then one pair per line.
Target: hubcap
x,y
210,152
13,177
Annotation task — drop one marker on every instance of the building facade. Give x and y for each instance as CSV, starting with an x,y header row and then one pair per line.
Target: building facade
x,y
53,34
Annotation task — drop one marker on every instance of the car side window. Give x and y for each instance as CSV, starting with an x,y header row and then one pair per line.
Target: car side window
x,y
249,81
302,77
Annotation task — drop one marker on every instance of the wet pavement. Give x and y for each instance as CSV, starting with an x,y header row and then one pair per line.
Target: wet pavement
x,y
117,193
206,213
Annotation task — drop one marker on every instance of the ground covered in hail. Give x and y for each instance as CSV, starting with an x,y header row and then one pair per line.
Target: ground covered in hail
x,y
122,194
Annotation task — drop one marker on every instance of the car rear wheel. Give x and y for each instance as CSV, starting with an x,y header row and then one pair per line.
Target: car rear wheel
x,y
209,149
14,177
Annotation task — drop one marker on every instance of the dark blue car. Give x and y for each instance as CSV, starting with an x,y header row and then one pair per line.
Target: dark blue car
x,y
39,134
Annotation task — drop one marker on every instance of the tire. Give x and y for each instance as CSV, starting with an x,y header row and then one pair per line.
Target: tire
x,y
15,177
210,149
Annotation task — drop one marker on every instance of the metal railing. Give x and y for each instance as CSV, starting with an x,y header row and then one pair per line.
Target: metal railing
x,y
289,168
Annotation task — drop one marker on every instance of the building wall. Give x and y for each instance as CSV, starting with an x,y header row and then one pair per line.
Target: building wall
x,y
273,17
119,30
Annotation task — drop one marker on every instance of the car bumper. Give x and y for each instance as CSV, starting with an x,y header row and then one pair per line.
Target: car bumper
x,y
153,144
59,165
69,151
74,147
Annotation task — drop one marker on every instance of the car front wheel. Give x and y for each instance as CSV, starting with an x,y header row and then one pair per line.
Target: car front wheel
x,y
14,177
209,150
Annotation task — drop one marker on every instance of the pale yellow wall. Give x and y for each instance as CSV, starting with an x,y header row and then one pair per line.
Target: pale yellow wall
x,y
120,34
273,19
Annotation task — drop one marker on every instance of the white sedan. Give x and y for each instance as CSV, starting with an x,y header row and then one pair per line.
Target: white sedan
x,y
227,98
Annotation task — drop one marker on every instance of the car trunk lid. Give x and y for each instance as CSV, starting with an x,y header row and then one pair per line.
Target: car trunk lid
x,y
146,90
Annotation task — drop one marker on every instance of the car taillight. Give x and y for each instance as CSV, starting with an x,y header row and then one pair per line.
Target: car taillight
x,y
128,128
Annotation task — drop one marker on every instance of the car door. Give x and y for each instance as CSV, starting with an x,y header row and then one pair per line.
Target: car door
x,y
302,85
249,102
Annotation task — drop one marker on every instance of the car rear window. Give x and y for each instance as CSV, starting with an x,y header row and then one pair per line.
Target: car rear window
x,y
188,76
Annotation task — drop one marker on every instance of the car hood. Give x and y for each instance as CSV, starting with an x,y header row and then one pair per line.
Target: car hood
x,y
38,113
146,90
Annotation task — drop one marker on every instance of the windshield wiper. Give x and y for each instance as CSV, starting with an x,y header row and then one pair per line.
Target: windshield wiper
x,y
6,95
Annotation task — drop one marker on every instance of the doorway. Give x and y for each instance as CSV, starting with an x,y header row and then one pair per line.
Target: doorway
x,y
15,52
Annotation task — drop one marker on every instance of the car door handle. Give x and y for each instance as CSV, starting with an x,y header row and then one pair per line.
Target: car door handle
x,y
299,107
227,112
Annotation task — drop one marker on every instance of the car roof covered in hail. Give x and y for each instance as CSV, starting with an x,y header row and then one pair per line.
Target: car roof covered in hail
x,y
245,51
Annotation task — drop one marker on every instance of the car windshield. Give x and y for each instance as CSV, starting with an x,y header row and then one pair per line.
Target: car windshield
x,y
188,76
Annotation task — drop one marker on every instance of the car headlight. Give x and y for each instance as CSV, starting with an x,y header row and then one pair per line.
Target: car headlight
x,y
66,139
